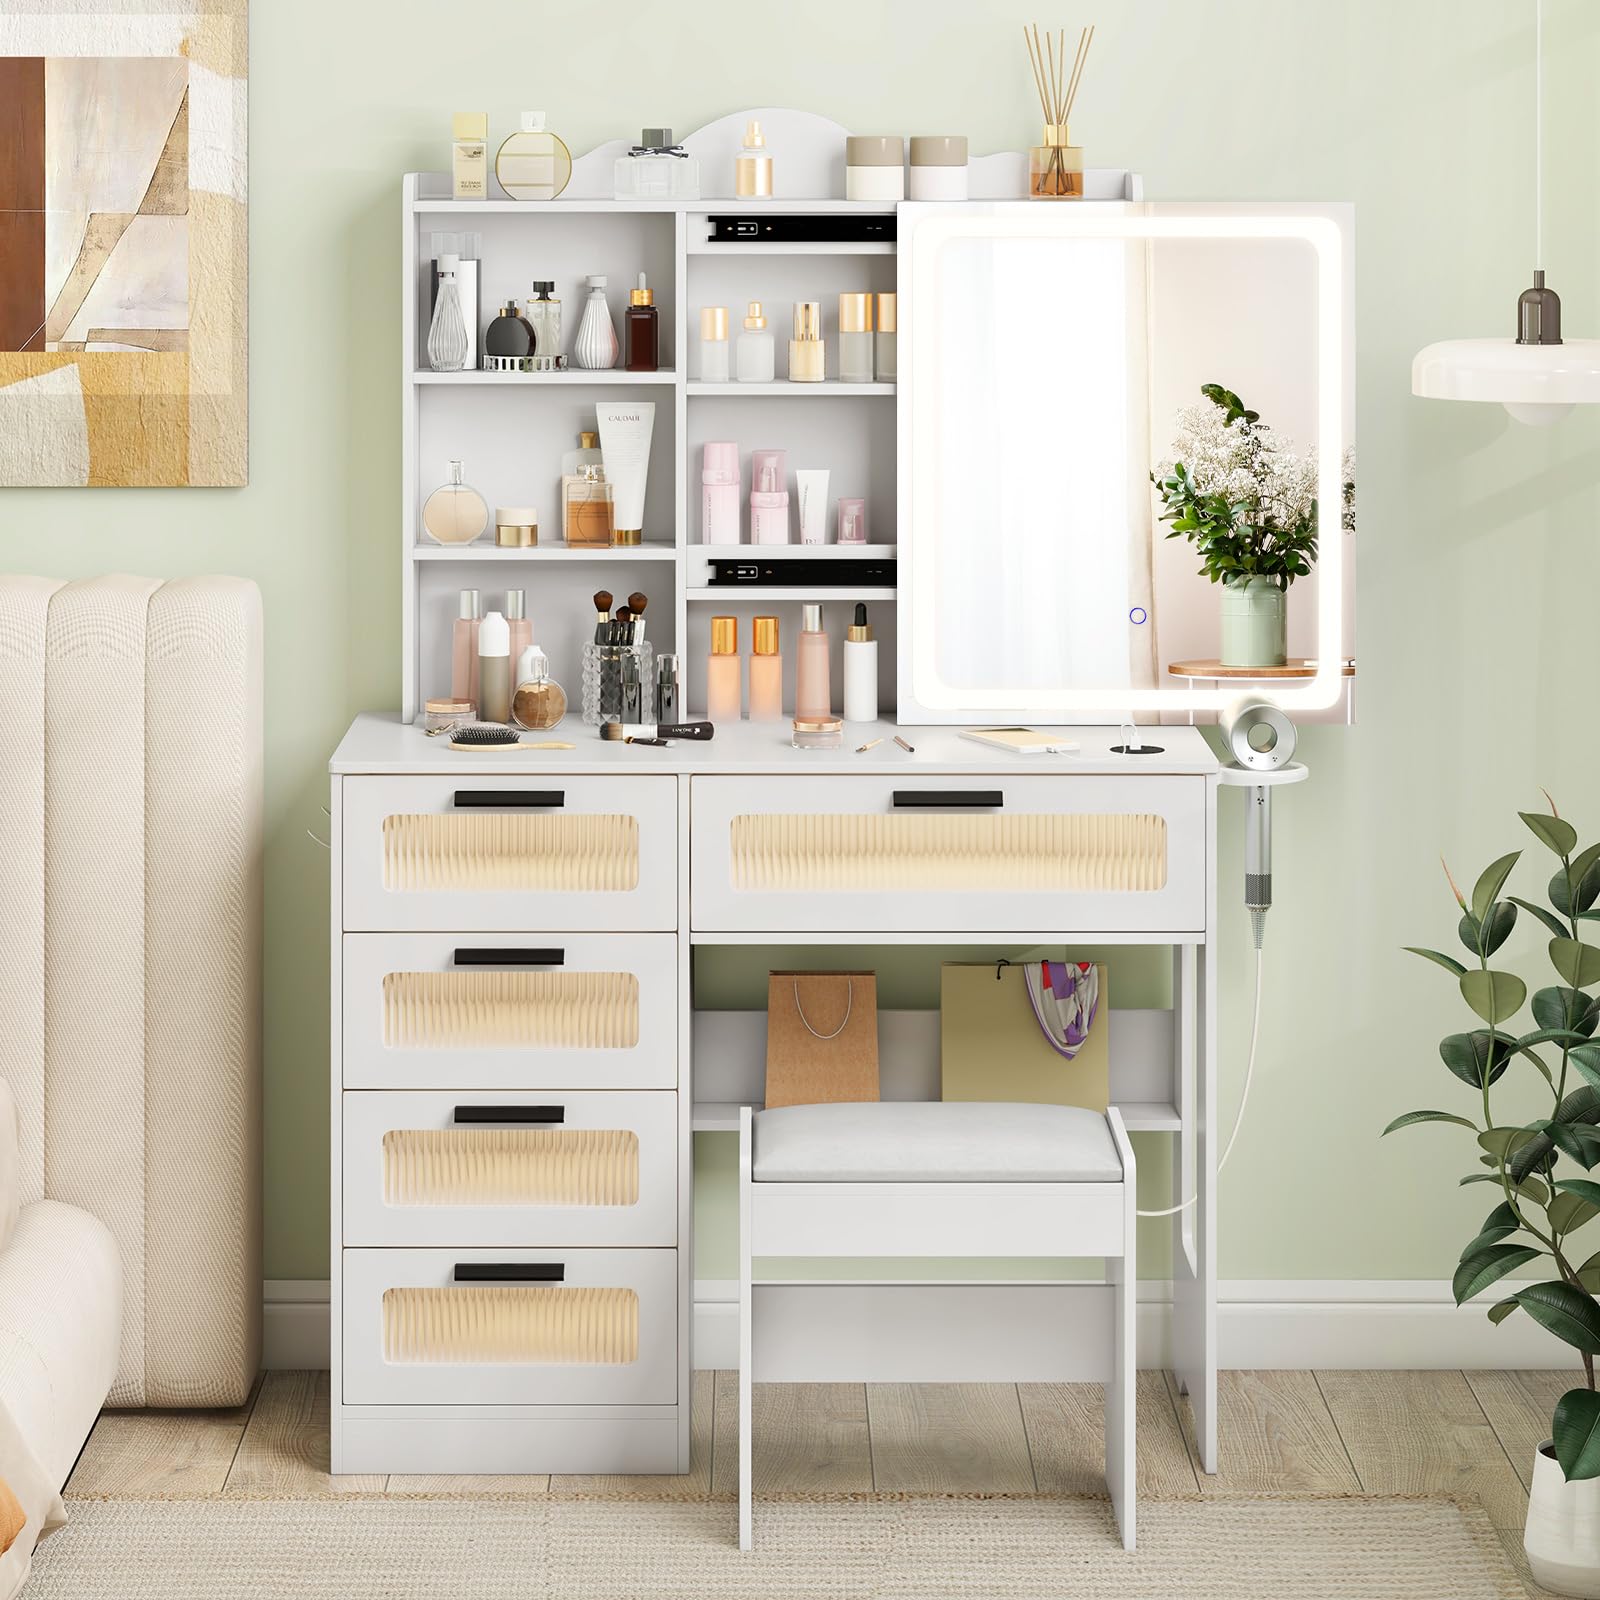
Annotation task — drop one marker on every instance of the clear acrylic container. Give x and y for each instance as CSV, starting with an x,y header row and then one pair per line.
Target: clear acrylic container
x,y
618,683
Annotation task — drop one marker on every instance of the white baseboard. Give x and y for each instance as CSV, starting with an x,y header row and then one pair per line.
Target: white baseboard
x,y
1339,1324
1333,1324
294,1324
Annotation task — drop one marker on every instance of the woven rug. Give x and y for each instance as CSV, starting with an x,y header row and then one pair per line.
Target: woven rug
x,y
871,1547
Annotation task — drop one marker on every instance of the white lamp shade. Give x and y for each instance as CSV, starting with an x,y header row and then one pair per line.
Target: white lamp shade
x,y
1503,372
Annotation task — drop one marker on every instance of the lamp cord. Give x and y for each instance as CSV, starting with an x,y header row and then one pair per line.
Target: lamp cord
x,y
1244,1099
1538,133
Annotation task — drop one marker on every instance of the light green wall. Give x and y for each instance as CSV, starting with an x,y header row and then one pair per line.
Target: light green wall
x,y
1480,540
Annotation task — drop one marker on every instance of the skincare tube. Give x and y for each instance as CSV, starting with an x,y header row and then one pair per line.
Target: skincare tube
x,y
625,445
813,486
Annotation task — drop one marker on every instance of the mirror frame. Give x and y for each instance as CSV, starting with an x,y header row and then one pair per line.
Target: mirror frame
x,y
924,227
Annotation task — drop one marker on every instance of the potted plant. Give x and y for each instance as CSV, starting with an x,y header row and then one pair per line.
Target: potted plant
x,y
1539,1169
1248,504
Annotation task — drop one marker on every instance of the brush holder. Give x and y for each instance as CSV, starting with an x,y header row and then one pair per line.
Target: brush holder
x,y
618,682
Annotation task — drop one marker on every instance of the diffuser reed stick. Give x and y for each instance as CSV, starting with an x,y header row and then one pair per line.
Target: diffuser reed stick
x,y
1056,165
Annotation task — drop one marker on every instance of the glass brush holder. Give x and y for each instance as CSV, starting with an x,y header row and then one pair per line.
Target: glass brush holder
x,y
618,682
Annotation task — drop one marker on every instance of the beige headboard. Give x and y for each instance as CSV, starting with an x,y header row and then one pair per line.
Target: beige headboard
x,y
130,949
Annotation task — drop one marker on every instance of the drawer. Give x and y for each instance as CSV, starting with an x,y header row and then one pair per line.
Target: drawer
x,y
508,1168
510,1327
981,854
493,853
528,1011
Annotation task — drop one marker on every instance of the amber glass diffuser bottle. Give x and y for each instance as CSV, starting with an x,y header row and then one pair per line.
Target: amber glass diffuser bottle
x,y
642,329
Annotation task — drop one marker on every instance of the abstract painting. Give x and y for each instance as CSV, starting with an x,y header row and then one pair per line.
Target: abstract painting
x,y
124,254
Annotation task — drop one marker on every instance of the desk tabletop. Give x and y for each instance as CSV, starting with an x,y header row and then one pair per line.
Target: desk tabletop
x,y
378,742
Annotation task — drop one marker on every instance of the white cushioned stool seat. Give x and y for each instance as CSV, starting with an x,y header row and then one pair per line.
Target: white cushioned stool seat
x,y
933,1141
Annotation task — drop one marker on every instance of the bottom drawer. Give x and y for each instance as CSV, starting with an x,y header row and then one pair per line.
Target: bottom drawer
x,y
510,1327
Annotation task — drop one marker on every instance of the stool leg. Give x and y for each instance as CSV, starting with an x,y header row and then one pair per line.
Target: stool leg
x,y
1122,1273
746,1339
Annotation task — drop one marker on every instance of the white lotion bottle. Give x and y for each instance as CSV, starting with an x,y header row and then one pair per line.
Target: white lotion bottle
x,y
860,670
494,668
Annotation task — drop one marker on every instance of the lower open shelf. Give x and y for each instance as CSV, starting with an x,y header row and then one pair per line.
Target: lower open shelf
x,y
1138,1116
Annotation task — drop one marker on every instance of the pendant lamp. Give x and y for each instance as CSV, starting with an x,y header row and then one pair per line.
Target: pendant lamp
x,y
1536,376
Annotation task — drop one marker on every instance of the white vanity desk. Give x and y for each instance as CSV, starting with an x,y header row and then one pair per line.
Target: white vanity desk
x,y
469,888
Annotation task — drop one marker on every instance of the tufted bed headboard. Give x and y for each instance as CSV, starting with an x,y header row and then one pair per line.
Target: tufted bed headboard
x,y
130,949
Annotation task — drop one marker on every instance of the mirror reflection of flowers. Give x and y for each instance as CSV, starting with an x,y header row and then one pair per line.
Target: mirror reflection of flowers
x,y
1241,495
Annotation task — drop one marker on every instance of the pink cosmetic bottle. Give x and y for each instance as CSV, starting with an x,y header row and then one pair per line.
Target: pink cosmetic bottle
x,y
813,694
719,494
769,497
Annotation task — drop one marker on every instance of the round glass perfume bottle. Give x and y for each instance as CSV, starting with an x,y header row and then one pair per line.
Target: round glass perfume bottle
x,y
533,164
540,702
455,513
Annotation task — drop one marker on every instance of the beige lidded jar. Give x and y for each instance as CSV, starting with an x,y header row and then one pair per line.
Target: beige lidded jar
x,y
939,167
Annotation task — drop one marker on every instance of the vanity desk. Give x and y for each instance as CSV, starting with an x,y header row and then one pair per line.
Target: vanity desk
x,y
519,1065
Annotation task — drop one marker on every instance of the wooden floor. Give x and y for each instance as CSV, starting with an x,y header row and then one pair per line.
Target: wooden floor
x,y
1333,1432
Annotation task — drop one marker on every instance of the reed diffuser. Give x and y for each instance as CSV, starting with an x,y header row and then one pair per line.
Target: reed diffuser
x,y
1055,167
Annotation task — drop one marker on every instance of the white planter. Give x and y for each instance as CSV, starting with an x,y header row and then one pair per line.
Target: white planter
x,y
1562,1537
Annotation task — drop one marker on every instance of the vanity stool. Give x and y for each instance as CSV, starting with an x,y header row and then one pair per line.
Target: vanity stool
x,y
943,1178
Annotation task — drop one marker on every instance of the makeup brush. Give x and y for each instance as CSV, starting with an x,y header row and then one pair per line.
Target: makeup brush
x,y
636,604
602,608
622,732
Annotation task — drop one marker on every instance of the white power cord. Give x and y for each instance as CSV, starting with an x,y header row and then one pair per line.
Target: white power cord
x,y
1244,1099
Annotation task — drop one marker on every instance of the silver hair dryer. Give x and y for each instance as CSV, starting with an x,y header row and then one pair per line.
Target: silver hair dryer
x,y
1260,738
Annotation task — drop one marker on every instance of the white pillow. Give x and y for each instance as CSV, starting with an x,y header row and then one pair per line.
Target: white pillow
x,y
10,1165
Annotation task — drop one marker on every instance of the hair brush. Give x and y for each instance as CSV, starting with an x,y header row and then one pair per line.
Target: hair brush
x,y
483,736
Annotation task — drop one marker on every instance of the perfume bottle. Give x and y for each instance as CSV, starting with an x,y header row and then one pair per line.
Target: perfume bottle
x,y
656,169
533,164
855,338
806,363
813,695
752,171
766,672
509,344
539,702
1055,167
714,344
464,649
588,514
467,248
447,334
755,358
642,327
455,513
544,314
769,497
886,358
595,348
852,521
469,156
722,671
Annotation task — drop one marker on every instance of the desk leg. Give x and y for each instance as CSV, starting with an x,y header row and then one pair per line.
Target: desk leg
x,y
1194,1268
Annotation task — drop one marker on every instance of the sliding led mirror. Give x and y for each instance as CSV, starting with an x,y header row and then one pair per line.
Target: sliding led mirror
x,y
1103,405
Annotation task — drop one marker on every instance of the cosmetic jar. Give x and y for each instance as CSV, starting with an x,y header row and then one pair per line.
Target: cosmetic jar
x,y
874,168
852,522
516,527
817,733
939,167
438,714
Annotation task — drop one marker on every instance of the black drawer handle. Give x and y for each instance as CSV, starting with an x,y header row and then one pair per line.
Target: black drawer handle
x,y
505,799
487,957
507,1116
510,1272
989,799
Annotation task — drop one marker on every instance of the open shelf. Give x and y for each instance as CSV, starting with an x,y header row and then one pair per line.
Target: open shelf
x,y
1139,1116
650,550
766,593
830,388
571,377
794,552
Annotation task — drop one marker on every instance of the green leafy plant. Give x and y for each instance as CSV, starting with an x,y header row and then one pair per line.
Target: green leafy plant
x,y
1542,1206
1240,495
